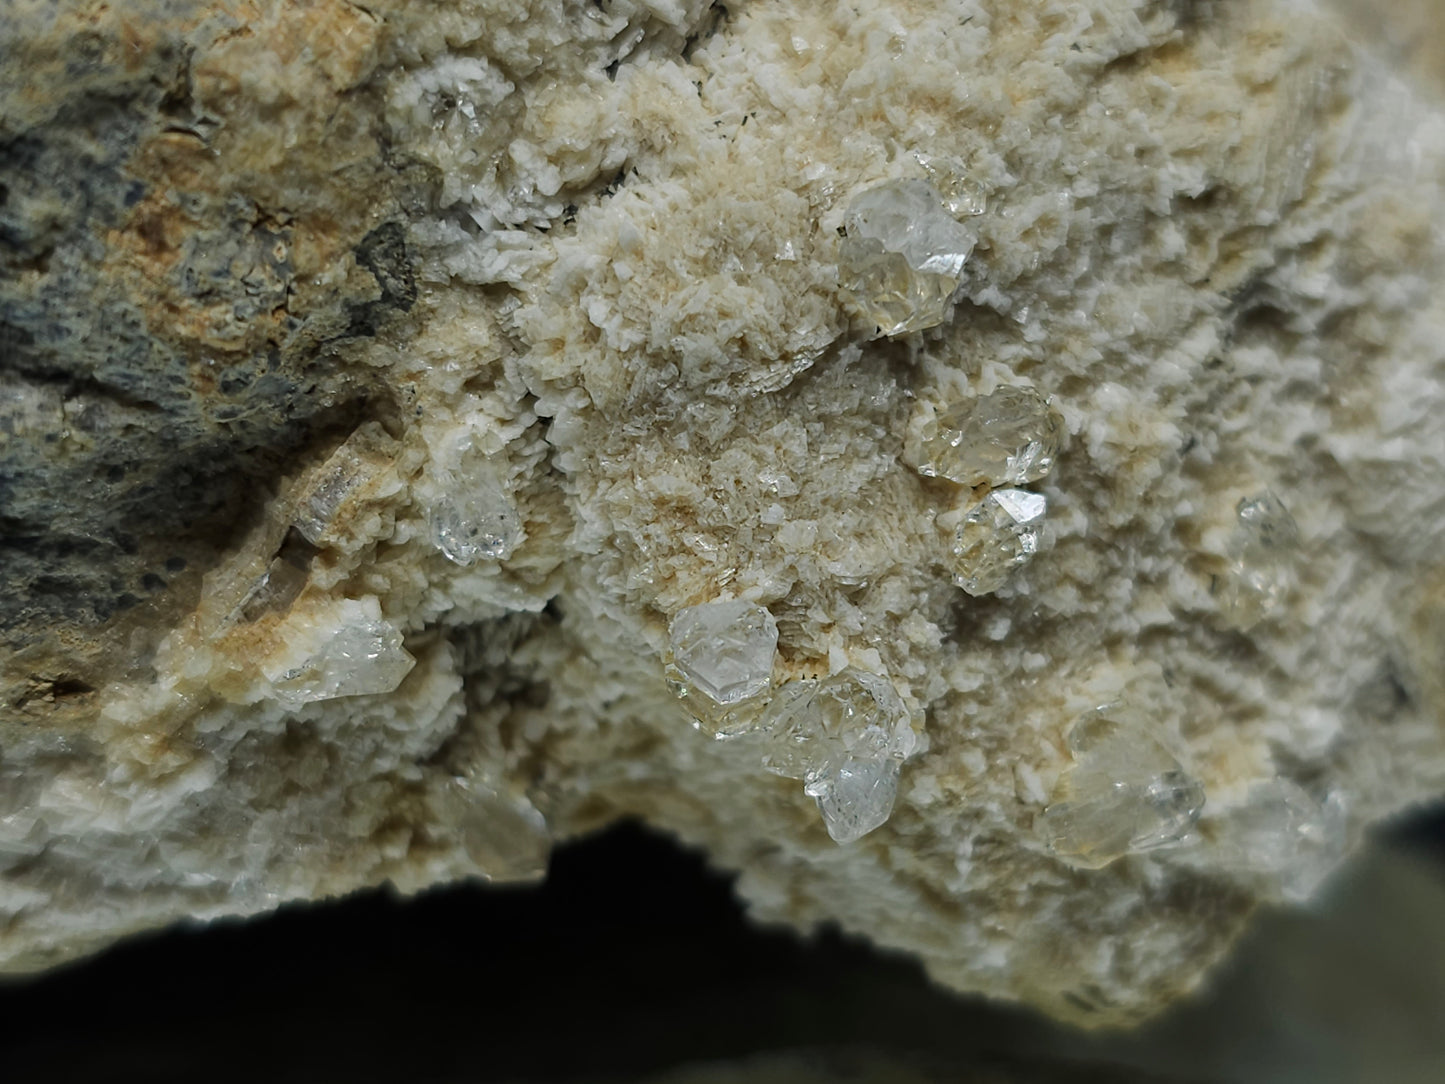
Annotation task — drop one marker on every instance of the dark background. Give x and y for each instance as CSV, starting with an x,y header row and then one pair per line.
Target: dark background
x,y
634,959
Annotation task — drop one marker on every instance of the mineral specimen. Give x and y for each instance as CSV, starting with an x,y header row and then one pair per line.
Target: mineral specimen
x,y
901,256
995,538
1008,437
494,336
1125,792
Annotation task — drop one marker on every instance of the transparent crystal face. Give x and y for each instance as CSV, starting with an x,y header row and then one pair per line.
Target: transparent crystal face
x,y
476,521
358,472
901,256
1125,792
857,796
724,650
997,537
1263,555
1009,437
1283,839
813,727
356,660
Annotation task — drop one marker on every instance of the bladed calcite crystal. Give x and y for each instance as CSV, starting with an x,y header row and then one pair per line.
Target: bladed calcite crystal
x,y
378,383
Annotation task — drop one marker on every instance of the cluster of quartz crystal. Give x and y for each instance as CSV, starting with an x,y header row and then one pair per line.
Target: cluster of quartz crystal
x,y
1263,552
1124,793
901,255
844,736
1007,438
1282,838
475,518
721,662
347,650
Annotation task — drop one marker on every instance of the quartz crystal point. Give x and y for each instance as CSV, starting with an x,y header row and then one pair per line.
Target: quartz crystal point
x,y
1125,792
1009,437
857,797
721,655
995,538
1262,554
901,255
476,521
1284,838
350,650
504,837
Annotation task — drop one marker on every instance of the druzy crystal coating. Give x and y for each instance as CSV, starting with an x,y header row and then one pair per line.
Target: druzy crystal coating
x,y
723,650
1124,793
997,537
1262,556
901,255
1006,438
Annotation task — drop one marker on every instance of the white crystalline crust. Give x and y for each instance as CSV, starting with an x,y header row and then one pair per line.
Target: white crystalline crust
x,y
1210,236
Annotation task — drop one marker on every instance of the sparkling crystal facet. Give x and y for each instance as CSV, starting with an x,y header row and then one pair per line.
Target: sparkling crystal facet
x,y
1284,838
723,650
901,256
360,655
1262,553
1125,792
475,521
963,196
812,728
857,796
1008,437
997,537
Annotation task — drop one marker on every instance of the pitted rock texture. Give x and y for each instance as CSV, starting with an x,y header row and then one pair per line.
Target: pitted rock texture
x,y
587,256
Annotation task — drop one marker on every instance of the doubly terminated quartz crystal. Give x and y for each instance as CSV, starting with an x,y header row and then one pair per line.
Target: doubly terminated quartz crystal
x,y
1008,437
1262,554
844,736
1125,792
349,651
721,660
995,538
901,255
475,520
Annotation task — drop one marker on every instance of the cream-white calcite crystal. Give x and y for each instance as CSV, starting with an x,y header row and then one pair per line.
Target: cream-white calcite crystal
x,y
395,377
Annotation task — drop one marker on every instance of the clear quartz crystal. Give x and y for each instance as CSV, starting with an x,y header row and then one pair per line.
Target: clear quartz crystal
x,y
857,797
475,520
504,837
963,196
1263,554
1125,792
722,652
1009,437
1283,838
813,727
995,538
901,255
360,655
